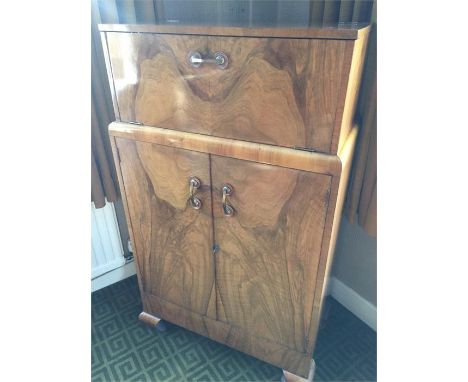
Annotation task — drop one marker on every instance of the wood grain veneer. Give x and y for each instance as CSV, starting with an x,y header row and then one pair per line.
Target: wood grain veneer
x,y
267,263
174,259
306,85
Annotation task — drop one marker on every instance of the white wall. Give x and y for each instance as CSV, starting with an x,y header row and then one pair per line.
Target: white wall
x,y
354,274
355,262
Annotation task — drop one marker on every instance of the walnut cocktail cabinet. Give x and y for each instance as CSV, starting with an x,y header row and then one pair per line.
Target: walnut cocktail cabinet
x,y
233,148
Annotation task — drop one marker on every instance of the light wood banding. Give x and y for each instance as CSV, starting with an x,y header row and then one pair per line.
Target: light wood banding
x,y
351,85
344,31
257,152
332,226
109,75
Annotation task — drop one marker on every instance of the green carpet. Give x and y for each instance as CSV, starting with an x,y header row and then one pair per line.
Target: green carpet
x,y
124,349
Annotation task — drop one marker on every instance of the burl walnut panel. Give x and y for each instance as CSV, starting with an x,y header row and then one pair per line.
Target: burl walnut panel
x,y
285,92
173,242
269,251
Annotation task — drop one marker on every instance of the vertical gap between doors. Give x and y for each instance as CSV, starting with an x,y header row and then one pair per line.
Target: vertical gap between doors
x,y
213,253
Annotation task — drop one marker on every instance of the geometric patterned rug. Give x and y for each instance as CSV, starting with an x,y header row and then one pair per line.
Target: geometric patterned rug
x,y
124,349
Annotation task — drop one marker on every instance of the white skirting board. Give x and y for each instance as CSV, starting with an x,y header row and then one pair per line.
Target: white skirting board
x,y
113,276
354,302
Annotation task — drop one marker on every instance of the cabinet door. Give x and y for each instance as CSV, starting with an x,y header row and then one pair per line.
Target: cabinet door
x,y
173,241
268,84
268,255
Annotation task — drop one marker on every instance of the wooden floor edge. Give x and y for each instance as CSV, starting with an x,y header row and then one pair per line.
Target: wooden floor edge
x,y
256,152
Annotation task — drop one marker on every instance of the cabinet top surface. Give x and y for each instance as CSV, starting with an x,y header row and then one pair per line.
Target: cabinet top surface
x,y
341,31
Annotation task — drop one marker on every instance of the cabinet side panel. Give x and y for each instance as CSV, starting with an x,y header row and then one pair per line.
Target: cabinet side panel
x,y
325,81
339,186
352,92
116,156
269,250
173,242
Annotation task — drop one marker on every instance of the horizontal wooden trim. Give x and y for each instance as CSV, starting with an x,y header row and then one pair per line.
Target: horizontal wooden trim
x,y
342,31
255,152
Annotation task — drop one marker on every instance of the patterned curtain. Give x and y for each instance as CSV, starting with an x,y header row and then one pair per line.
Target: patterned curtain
x,y
361,202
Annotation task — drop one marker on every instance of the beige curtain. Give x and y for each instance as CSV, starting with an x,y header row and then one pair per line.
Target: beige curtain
x,y
103,176
104,185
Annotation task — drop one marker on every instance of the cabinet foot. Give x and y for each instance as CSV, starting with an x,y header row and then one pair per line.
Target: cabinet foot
x,y
290,377
148,319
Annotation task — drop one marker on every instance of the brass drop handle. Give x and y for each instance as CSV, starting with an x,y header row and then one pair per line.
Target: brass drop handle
x,y
228,210
194,184
220,59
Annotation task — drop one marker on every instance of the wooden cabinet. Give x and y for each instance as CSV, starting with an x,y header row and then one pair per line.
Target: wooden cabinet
x,y
233,225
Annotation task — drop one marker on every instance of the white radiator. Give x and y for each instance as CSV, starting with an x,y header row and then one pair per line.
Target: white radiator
x,y
106,247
